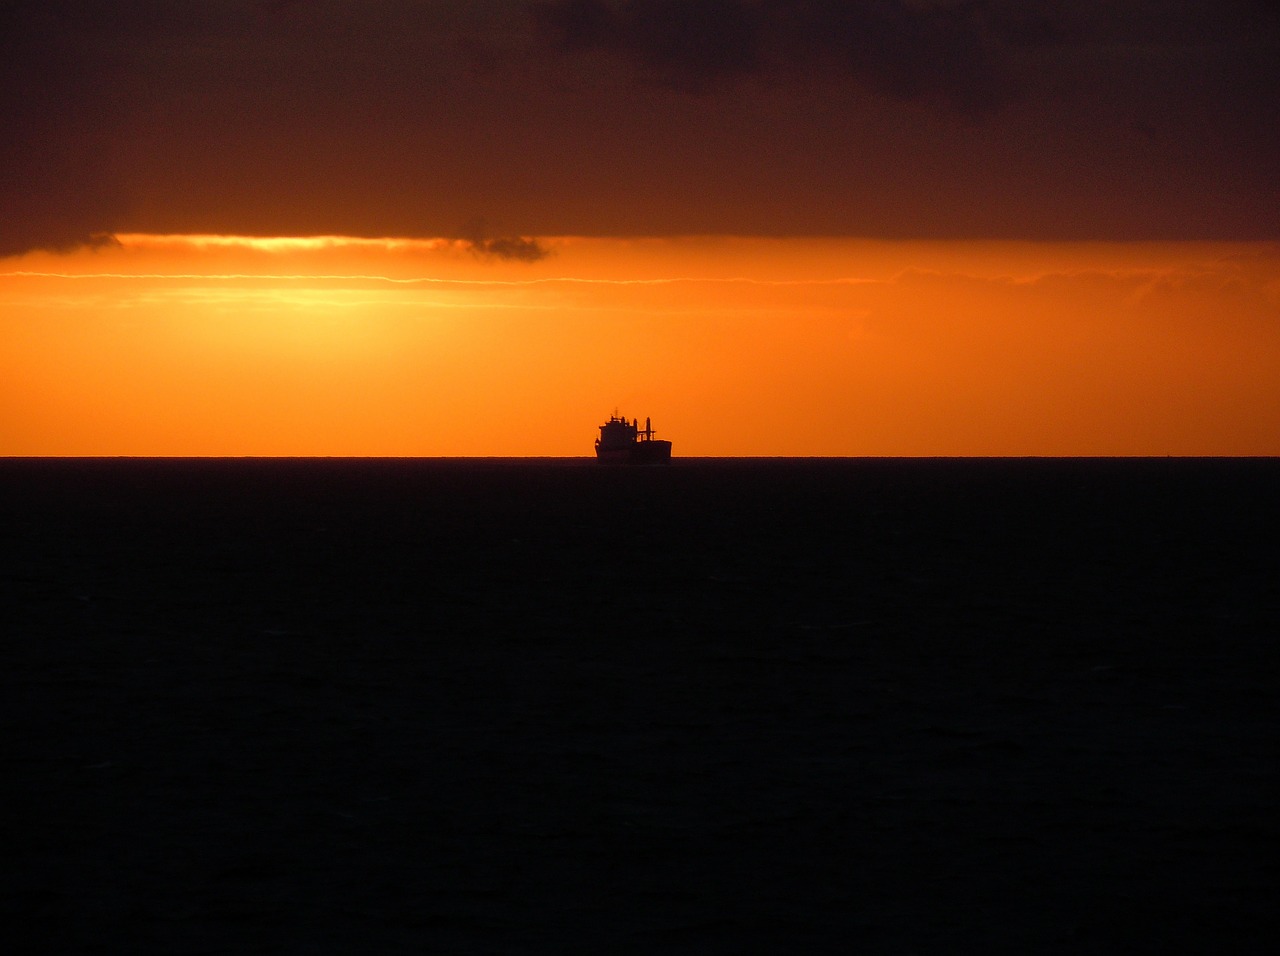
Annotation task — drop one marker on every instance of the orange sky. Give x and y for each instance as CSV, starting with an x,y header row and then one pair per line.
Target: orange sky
x,y
222,346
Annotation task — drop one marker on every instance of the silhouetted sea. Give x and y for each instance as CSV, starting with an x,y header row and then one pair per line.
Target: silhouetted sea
x,y
543,706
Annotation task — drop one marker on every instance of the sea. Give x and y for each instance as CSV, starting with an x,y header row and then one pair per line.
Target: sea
x,y
725,705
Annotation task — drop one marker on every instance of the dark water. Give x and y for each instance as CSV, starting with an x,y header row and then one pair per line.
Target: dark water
x,y
887,706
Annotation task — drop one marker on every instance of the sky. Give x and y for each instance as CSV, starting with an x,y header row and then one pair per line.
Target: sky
x,y
777,227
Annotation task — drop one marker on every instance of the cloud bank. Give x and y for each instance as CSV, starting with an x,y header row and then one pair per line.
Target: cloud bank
x,y
951,53
889,118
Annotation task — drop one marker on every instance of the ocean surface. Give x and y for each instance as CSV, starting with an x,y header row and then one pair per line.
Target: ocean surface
x,y
543,706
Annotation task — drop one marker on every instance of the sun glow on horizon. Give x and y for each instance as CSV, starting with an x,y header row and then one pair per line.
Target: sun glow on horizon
x,y
333,345
283,244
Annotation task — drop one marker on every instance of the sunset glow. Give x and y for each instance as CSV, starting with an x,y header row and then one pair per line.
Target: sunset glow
x,y
910,227
226,345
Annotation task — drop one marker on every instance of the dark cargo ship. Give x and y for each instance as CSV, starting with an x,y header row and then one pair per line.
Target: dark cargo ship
x,y
623,442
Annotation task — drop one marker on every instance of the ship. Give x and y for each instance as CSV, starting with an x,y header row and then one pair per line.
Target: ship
x,y
623,442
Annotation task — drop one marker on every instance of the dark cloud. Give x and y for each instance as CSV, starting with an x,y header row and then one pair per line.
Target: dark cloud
x,y
949,54
911,118
517,248
899,49
57,188
685,45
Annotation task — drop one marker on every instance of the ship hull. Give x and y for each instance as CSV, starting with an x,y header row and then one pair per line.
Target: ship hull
x,y
655,452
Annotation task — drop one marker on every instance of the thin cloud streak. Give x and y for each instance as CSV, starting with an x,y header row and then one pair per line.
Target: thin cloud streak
x,y
282,244
1255,267
435,280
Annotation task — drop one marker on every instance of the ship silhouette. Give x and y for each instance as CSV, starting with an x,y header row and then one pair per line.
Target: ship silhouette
x,y
623,442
